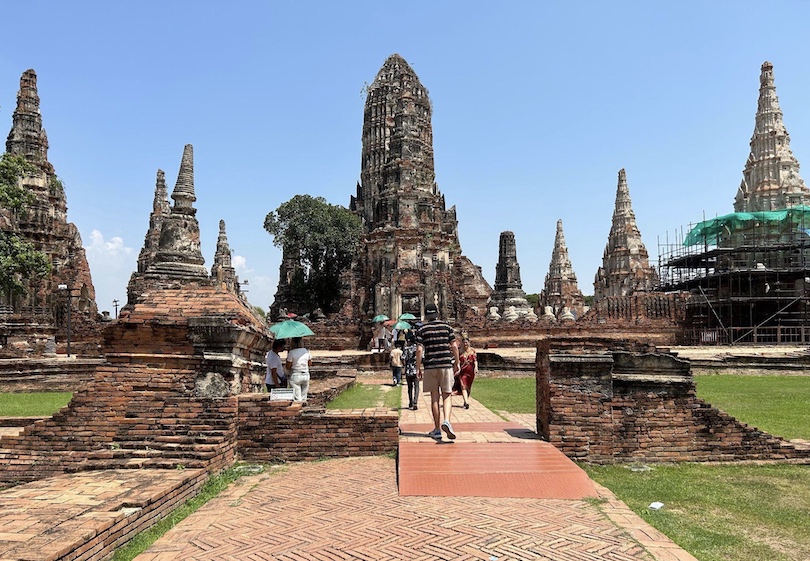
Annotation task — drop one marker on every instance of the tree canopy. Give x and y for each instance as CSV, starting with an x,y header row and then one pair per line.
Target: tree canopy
x,y
19,259
322,237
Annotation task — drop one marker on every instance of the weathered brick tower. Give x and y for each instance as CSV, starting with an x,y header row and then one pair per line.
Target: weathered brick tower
x,y
560,289
771,179
508,286
33,317
625,263
410,253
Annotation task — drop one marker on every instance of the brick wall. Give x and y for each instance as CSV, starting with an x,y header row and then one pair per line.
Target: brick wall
x,y
273,431
604,402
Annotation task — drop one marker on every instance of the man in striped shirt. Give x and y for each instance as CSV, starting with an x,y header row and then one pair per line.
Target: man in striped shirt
x,y
436,363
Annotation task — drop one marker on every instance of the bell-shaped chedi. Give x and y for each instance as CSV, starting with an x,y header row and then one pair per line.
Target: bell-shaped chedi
x,y
771,179
560,290
178,253
410,253
508,286
171,252
625,263
44,224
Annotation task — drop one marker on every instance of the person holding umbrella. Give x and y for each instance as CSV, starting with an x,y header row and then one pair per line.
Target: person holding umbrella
x,y
298,363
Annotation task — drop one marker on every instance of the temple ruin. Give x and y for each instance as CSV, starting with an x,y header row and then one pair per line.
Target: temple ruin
x,y
625,263
29,322
410,254
508,290
748,272
560,291
771,179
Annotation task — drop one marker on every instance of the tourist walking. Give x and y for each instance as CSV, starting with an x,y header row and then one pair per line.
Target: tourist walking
x,y
298,364
396,363
468,361
275,377
436,361
409,367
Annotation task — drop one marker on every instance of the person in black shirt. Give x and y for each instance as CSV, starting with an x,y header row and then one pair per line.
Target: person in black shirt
x,y
436,363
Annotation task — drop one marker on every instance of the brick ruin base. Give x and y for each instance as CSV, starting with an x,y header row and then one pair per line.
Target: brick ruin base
x,y
604,402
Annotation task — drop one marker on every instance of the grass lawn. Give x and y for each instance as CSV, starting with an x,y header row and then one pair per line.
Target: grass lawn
x,y
362,396
779,405
722,513
32,404
513,395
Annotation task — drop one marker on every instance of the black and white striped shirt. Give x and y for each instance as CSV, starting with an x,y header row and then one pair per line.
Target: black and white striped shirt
x,y
436,337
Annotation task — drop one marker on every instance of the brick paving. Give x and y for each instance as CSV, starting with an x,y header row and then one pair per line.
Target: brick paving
x,y
332,510
352,509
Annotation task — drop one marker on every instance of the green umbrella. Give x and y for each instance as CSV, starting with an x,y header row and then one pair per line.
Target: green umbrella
x,y
380,317
289,329
407,316
404,325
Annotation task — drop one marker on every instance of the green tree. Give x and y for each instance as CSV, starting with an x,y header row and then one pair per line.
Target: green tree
x,y
533,299
14,196
323,237
19,259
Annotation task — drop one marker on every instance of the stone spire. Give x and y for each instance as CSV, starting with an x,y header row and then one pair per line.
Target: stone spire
x,y
508,287
183,193
45,225
625,263
178,254
410,254
560,289
771,179
27,137
160,210
397,153
222,270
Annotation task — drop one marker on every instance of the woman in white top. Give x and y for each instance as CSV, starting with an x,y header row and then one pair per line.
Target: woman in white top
x,y
298,363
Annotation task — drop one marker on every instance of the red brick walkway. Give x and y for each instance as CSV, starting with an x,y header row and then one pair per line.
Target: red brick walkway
x,y
331,510
353,509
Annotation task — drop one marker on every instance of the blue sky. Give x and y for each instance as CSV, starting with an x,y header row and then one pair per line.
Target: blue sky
x,y
536,107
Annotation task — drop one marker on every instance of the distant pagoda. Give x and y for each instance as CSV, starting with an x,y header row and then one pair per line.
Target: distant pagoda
x,y
771,179
625,263
410,252
560,289
508,286
45,225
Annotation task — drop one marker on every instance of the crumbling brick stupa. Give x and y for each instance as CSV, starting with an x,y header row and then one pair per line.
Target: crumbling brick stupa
x,y
184,347
561,295
410,254
29,322
508,291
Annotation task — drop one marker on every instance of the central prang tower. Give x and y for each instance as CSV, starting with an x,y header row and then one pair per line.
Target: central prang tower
x,y
409,253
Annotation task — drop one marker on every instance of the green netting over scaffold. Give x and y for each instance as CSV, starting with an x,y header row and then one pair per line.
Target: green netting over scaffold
x,y
709,231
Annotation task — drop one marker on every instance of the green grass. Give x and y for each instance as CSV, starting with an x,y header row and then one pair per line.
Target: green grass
x,y
779,405
209,490
722,513
32,404
513,395
363,396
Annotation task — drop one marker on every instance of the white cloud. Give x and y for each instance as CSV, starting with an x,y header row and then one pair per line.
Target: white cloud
x,y
240,264
111,264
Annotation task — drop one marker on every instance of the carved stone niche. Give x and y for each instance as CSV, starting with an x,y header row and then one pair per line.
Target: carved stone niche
x,y
230,354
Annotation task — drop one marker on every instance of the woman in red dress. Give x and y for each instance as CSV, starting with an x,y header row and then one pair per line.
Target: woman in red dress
x,y
469,368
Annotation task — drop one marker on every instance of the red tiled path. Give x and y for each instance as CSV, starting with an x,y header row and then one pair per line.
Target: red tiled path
x,y
489,458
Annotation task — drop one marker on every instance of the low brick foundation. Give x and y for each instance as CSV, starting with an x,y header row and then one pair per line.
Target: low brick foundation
x,y
272,431
602,402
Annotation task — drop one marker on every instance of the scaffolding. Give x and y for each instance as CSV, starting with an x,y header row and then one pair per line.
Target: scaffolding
x,y
748,280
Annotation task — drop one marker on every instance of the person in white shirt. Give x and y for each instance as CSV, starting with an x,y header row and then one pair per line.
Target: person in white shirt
x,y
298,364
275,377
